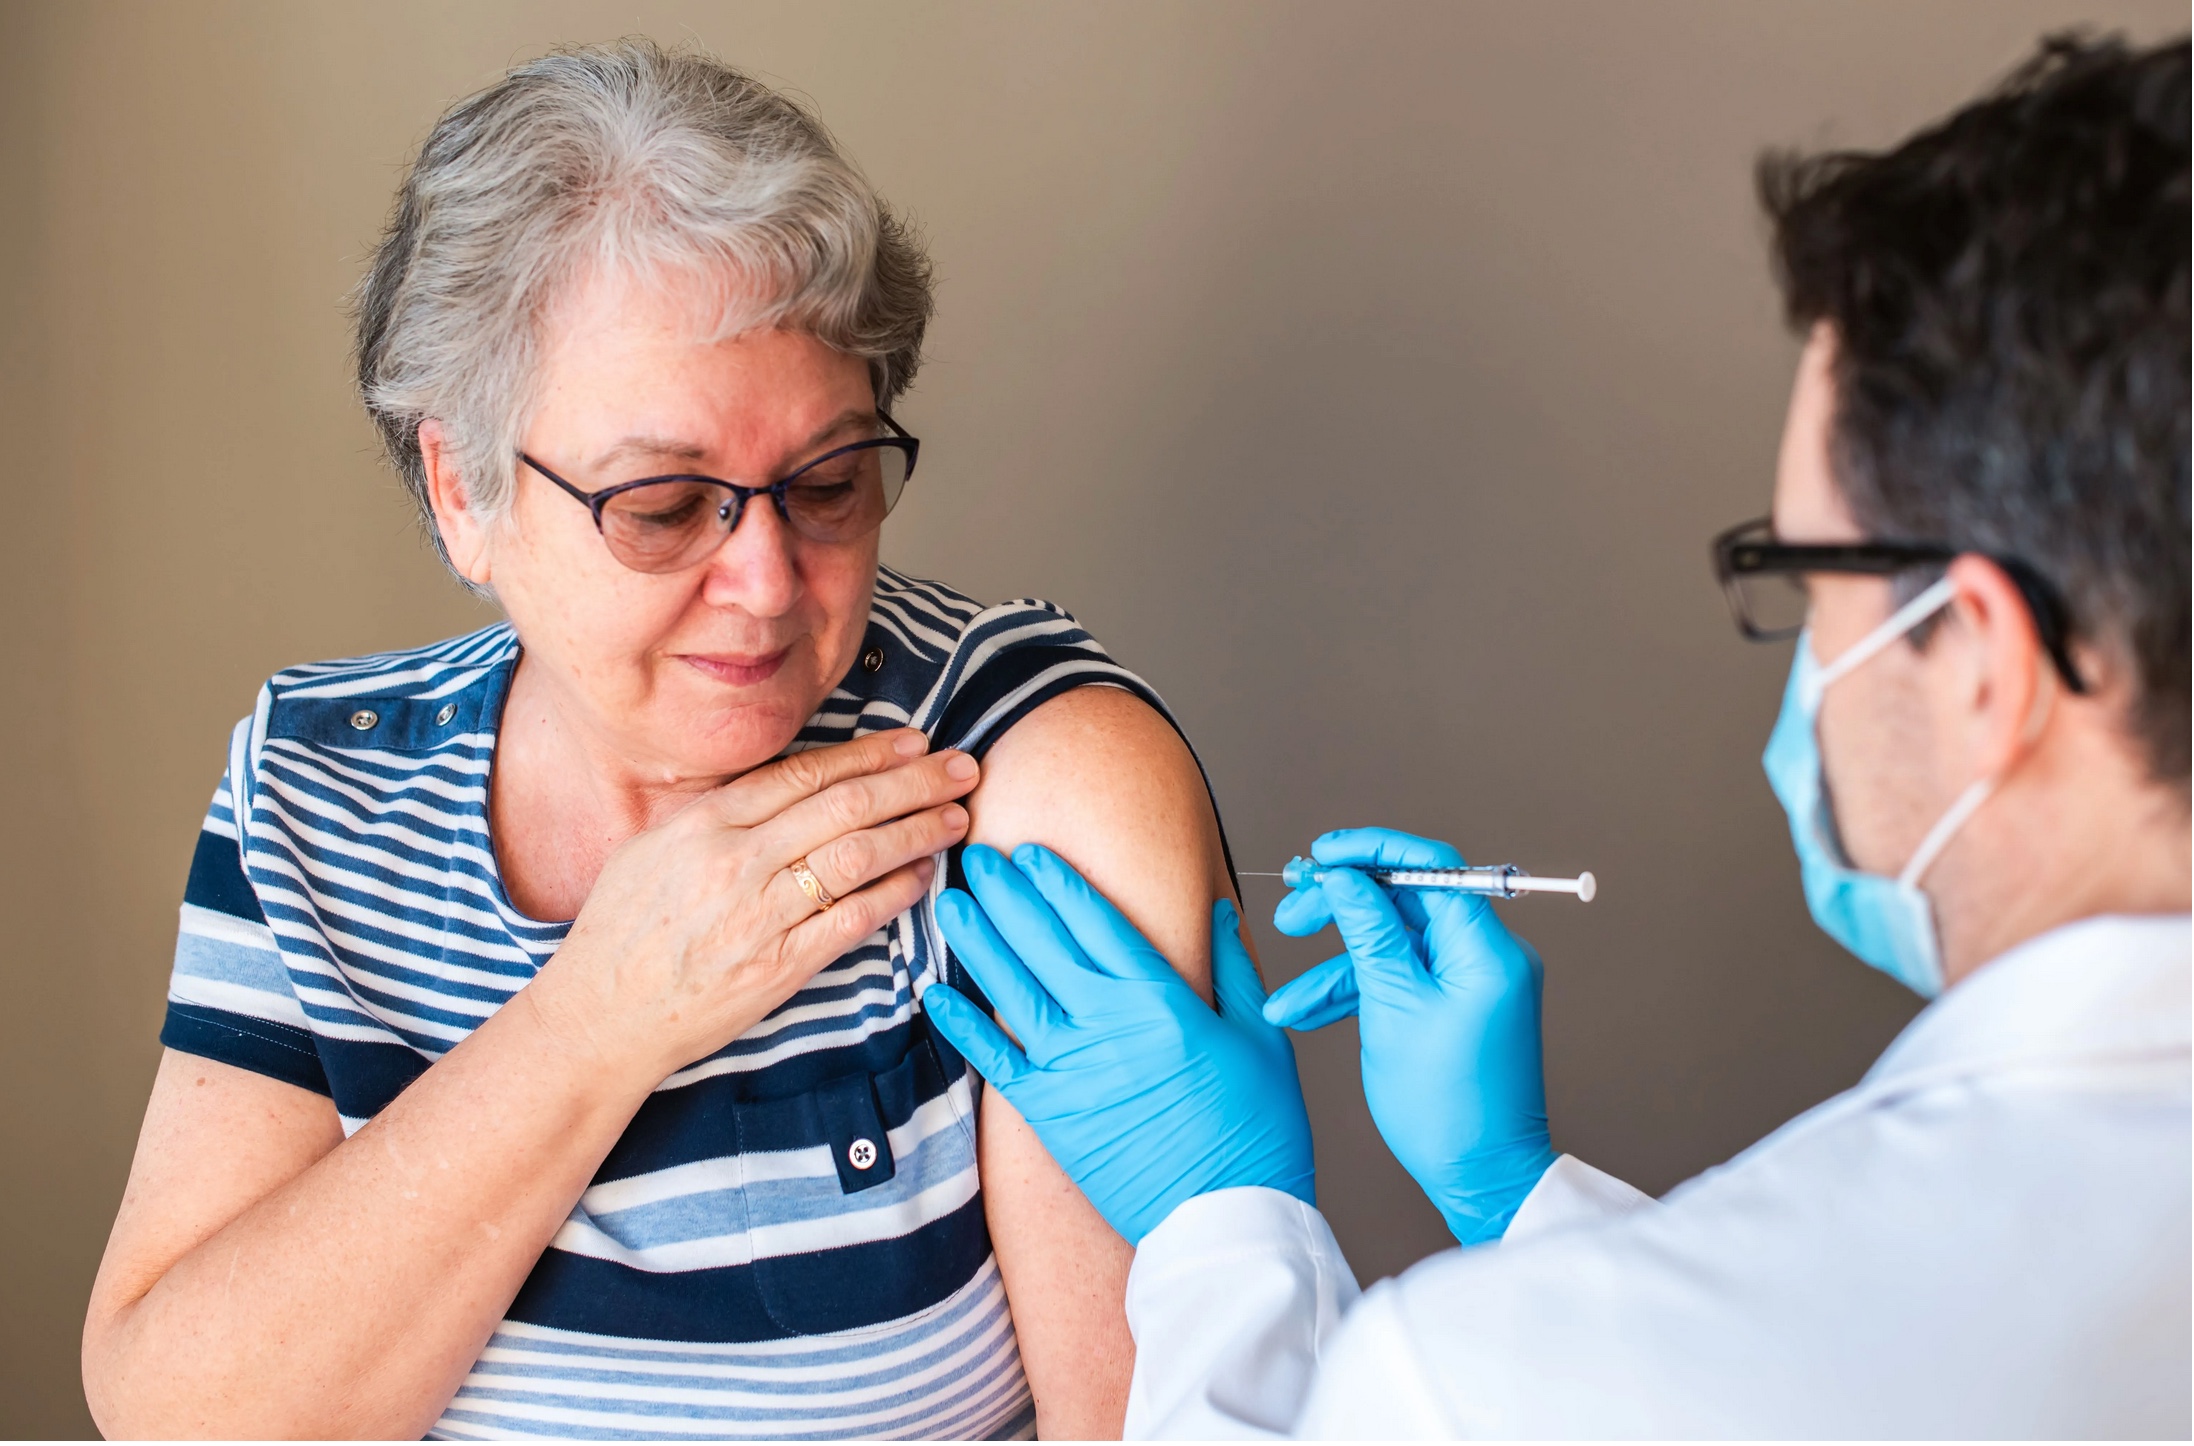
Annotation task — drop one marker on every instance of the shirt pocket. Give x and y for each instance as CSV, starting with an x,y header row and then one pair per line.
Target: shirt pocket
x,y
862,1199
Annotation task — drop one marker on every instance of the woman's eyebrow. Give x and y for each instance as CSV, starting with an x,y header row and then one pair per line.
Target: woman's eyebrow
x,y
641,445
851,417
677,449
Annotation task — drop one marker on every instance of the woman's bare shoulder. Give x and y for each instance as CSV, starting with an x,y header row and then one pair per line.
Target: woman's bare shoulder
x,y
1101,778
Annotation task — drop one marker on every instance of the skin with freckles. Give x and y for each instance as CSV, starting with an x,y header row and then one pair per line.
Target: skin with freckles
x,y
2075,827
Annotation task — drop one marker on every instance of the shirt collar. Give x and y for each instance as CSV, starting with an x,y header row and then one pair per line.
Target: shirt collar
x,y
2113,986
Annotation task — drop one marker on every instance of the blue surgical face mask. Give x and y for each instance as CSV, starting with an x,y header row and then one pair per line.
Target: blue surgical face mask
x,y
1886,922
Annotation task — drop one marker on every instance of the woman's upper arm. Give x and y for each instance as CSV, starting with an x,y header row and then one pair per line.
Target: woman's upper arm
x,y
216,1141
1097,776
1104,781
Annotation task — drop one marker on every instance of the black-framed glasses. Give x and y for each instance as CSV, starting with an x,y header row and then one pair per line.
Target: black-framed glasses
x,y
663,524
1764,580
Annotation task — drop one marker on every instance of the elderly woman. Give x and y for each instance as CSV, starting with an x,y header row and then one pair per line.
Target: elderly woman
x,y
545,1053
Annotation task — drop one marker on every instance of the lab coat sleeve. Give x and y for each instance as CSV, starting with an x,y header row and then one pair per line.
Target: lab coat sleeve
x,y
1231,1301
1236,1303
1372,1381
1371,1385
1572,1193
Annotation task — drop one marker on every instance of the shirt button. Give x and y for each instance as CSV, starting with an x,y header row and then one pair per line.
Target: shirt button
x,y
873,660
861,1154
449,711
363,719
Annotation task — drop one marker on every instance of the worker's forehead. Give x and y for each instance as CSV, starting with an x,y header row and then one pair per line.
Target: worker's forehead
x,y
1809,507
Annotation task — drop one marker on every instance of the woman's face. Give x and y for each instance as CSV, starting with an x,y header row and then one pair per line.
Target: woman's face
x,y
712,669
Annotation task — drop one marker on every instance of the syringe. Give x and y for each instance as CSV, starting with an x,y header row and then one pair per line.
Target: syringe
x,y
1502,881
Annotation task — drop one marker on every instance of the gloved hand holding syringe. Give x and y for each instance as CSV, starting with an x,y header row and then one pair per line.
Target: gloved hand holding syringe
x,y
1446,1000
1502,881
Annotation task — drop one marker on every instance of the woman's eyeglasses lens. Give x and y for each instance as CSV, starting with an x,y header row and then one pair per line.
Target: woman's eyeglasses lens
x,y
665,526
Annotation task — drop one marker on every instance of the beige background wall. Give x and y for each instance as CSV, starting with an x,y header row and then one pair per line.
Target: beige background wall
x,y
1370,376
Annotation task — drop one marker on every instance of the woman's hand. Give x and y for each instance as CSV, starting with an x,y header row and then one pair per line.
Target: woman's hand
x,y
269,1277
695,929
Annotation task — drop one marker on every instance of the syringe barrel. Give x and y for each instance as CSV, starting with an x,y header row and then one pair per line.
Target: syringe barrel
x,y
1468,881
1301,872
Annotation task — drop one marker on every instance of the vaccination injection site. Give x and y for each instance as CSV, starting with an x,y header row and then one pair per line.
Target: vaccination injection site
x,y
1199,719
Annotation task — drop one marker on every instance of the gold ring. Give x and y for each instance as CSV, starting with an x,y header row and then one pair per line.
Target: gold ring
x,y
809,884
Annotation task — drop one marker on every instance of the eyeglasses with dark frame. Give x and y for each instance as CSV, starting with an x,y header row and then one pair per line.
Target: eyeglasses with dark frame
x,y
1764,580
667,523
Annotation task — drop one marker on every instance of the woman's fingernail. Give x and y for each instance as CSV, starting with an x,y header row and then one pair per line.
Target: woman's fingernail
x,y
910,743
925,869
959,765
955,817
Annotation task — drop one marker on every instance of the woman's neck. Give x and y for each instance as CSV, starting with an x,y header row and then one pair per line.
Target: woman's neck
x,y
564,794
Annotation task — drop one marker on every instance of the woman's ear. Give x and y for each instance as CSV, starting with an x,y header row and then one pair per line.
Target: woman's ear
x,y
464,531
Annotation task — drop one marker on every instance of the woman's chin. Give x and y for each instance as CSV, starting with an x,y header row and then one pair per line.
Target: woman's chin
x,y
740,728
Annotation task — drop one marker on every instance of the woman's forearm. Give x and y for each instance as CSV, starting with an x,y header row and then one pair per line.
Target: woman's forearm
x,y
268,1278
352,1300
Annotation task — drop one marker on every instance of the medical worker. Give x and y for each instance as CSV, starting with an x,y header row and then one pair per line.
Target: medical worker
x,y
1980,521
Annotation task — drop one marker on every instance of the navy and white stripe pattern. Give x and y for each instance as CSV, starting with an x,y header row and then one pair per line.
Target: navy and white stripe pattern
x,y
788,1241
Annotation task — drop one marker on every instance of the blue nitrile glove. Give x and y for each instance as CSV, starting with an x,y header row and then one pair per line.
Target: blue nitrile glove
x,y
1143,1093
1448,1005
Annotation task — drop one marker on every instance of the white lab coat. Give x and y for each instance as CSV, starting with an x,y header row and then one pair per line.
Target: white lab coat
x,y
1988,1236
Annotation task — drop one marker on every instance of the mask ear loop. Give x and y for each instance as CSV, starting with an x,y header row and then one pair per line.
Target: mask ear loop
x,y
1938,838
1893,627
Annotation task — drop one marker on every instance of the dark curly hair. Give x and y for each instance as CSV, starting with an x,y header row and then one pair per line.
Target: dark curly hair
x,y
2008,293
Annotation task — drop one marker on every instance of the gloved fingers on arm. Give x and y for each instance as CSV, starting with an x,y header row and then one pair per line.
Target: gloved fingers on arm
x,y
1234,981
1384,848
1026,924
1388,960
1107,940
1023,1003
983,1044
1321,995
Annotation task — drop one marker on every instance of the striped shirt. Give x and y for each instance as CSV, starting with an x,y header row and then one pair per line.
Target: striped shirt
x,y
788,1240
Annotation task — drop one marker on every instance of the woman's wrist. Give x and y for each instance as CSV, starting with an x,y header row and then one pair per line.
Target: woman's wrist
x,y
585,1034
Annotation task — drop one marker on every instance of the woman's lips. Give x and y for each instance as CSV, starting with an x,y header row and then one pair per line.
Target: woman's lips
x,y
736,669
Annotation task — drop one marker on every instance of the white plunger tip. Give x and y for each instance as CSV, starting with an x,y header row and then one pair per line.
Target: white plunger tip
x,y
1587,886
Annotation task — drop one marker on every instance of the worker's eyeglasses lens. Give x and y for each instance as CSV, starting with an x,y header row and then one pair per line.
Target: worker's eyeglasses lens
x,y
1770,604
667,525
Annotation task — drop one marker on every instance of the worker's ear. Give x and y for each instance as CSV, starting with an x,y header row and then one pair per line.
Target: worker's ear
x,y
1998,684
465,533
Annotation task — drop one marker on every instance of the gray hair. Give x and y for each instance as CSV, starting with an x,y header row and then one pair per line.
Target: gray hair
x,y
626,158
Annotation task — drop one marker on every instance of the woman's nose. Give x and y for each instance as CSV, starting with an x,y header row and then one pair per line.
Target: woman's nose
x,y
754,569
